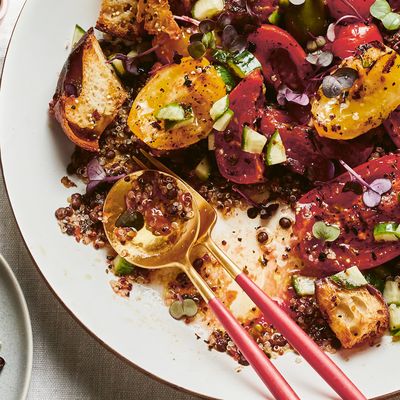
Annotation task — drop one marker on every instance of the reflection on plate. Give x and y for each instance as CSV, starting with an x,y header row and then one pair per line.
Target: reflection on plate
x,y
15,337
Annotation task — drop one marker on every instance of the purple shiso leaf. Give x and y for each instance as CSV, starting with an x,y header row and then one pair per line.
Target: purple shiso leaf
x,y
95,171
298,98
287,94
97,175
373,193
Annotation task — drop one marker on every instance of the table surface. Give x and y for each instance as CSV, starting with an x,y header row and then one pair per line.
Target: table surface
x,y
68,364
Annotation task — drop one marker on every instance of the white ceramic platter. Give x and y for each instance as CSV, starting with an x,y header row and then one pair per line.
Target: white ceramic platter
x,y
34,156
15,337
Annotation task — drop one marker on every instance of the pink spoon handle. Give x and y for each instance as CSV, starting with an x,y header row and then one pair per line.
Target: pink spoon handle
x,y
328,370
272,378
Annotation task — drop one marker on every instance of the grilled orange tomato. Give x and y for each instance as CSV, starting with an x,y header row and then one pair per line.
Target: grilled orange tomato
x,y
369,101
194,84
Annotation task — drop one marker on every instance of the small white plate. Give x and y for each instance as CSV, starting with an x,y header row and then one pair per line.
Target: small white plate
x,y
15,336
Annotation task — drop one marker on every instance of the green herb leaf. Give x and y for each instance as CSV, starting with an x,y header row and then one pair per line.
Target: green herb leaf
x,y
391,21
183,308
209,40
380,9
196,50
325,232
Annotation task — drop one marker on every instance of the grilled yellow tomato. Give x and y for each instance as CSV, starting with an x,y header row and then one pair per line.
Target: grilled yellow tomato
x,y
193,84
369,101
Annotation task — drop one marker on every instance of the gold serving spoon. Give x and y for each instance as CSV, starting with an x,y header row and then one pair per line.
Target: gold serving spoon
x,y
148,250
273,313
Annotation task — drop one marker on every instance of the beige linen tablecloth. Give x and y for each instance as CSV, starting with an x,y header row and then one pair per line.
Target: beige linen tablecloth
x,y
68,364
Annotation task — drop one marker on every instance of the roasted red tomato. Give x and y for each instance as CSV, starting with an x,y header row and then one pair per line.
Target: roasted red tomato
x,y
339,8
349,37
301,153
392,126
234,164
354,151
333,205
283,59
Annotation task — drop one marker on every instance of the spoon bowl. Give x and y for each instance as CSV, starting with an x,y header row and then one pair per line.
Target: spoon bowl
x,y
148,249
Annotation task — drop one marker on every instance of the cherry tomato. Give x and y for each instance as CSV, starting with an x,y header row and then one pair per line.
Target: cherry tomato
x,y
349,37
282,58
339,8
333,205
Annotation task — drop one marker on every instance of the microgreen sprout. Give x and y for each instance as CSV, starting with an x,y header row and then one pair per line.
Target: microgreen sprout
x,y
381,10
325,232
340,80
183,308
320,58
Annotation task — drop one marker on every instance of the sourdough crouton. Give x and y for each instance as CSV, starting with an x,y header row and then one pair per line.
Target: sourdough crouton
x,y
88,95
118,18
158,18
355,315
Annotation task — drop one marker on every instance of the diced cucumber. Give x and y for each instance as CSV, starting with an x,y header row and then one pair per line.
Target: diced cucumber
x,y
350,278
222,122
219,107
203,169
171,112
244,63
122,267
252,141
204,9
391,292
386,232
226,76
188,119
211,141
276,153
221,56
78,34
394,319
303,285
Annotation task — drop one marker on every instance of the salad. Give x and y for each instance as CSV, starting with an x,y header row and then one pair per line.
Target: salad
x,y
284,115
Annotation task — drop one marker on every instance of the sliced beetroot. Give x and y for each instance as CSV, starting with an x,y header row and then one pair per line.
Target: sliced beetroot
x,y
354,152
355,245
392,126
301,153
234,164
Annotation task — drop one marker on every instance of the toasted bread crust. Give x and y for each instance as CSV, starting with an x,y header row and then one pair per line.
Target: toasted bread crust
x,y
85,115
356,316
118,18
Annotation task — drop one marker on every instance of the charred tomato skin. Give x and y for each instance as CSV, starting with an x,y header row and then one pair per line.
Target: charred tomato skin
x,y
282,58
356,245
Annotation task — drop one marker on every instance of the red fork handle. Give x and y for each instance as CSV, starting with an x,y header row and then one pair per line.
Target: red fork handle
x,y
328,370
272,378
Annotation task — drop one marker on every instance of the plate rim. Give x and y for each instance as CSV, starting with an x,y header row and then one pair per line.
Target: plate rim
x,y
27,322
387,396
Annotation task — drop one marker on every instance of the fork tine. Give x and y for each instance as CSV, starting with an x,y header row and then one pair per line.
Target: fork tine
x,y
160,166
140,163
